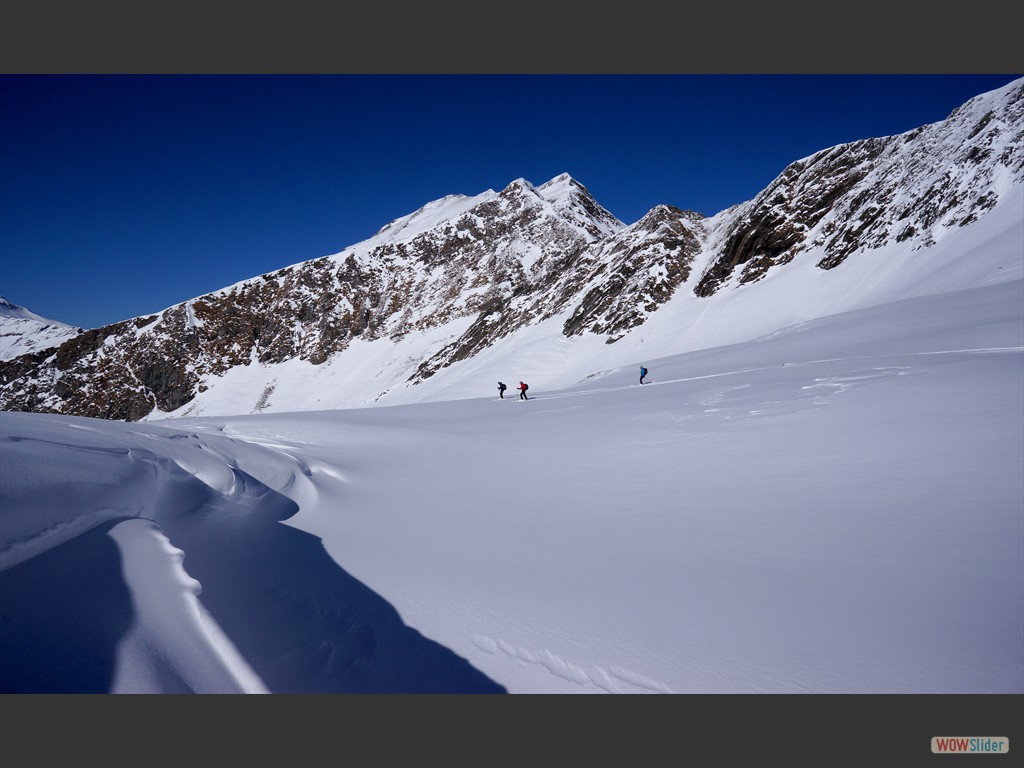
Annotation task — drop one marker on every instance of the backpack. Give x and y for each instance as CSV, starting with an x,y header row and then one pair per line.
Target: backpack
x,y
525,386
643,371
501,386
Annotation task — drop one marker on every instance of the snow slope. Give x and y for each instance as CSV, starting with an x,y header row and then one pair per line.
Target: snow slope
x,y
836,507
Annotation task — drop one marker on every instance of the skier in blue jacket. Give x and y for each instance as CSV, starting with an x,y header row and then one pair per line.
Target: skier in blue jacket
x,y
643,372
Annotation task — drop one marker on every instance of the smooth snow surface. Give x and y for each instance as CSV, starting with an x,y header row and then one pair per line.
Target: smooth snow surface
x,y
835,507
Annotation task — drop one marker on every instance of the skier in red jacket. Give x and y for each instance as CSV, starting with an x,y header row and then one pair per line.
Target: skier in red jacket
x,y
522,391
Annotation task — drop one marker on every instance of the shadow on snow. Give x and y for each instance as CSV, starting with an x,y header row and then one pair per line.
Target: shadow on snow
x,y
301,622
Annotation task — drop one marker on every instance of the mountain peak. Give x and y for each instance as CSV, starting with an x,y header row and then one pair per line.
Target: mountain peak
x,y
562,178
566,194
23,331
9,309
519,185
561,186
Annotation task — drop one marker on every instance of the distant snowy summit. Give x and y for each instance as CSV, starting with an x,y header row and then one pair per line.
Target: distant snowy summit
x,y
562,195
23,331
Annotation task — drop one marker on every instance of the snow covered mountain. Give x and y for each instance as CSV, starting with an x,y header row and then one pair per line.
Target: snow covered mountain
x,y
442,303
23,331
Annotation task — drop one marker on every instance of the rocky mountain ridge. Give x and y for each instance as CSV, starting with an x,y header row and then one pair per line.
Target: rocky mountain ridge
x,y
463,276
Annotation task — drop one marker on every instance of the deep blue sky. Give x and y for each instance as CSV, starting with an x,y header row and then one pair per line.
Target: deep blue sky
x,y
121,195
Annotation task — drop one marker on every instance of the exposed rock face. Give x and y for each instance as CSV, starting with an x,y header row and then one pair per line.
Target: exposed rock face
x,y
862,195
503,262
634,272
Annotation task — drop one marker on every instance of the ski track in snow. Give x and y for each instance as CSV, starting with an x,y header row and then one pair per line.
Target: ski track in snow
x,y
739,371
613,679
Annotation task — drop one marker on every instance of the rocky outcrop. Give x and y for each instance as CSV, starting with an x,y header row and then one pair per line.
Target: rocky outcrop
x,y
859,196
637,271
